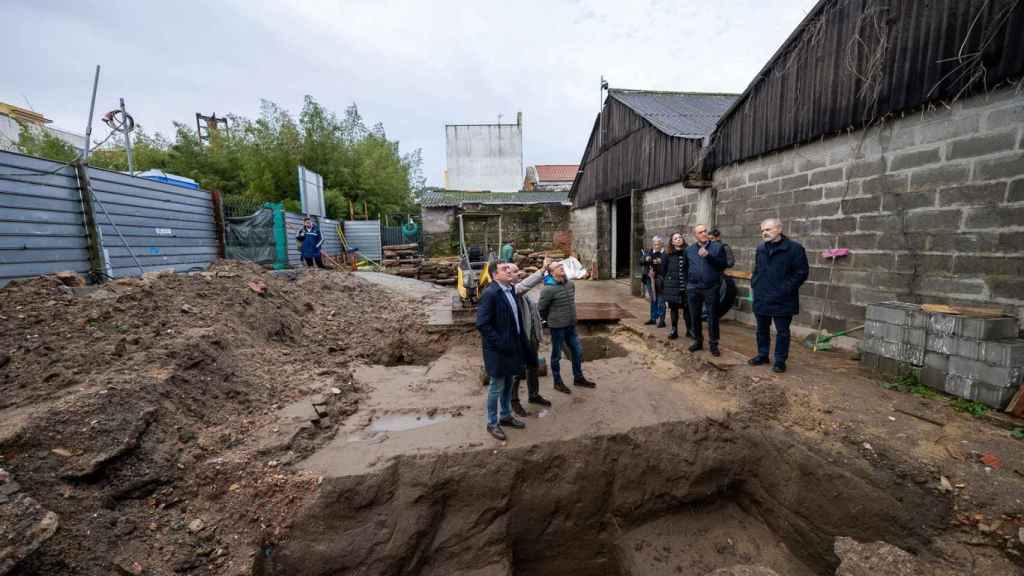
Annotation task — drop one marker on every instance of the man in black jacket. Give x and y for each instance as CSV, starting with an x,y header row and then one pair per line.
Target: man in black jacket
x,y
505,347
780,268
704,277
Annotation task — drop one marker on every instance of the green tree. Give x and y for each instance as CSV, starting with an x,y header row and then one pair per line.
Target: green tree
x,y
36,141
259,158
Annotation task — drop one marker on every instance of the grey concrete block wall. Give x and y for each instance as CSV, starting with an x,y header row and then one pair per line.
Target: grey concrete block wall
x,y
931,205
964,356
583,224
669,209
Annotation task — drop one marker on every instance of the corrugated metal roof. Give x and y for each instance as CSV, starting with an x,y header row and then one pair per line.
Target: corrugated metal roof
x,y
689,114
452,198
848,66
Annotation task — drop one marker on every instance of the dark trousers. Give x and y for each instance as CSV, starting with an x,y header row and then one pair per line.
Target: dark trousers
x,y
764,336
318,260
697,298
674,313
532,380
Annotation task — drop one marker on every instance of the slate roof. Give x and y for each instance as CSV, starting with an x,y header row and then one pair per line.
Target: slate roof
x,y
679,114
556,172
437,198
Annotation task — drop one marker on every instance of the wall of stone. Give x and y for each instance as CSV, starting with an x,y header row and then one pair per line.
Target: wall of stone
x,y
931,206
524,226
583,223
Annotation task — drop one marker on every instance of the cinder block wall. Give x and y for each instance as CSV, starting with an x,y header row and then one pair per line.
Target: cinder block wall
x,y
583,223
669,209
930,204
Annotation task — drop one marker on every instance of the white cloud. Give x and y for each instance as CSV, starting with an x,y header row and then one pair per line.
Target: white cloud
x,y
411,65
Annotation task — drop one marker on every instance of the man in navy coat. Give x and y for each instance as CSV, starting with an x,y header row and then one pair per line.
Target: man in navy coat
x,y
505,347
780,268
707,261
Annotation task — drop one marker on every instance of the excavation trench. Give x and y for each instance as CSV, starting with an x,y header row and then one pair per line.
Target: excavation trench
x,y
673,498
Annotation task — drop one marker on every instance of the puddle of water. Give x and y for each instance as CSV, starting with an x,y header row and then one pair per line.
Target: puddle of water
x,y
402,422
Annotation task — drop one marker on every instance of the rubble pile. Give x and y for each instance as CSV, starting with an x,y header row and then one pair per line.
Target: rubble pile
x,y
137,415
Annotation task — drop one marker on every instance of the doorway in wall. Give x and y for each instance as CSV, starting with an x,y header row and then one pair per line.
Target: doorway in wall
x,y
622,237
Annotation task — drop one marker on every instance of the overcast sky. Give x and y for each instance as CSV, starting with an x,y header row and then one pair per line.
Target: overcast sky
x,y
412,65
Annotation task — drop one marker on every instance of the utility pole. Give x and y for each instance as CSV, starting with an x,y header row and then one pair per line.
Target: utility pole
x,y
92,108
600,112
128,138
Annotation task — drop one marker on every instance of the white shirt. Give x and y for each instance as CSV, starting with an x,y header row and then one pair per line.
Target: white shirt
x,y
511,297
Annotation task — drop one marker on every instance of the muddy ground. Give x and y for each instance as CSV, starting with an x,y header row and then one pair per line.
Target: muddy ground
x,y
146,413
190,425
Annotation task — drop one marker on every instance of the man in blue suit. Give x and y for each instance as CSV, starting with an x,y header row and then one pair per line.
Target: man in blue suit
x,y
505,347
780,268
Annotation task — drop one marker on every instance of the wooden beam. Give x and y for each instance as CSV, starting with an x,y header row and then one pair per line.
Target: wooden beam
x,y
97,269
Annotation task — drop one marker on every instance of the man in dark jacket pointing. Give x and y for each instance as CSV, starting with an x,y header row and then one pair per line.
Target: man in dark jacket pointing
x,y
780,268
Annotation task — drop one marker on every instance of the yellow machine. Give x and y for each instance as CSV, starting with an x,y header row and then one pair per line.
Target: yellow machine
x,y
473,277
475,267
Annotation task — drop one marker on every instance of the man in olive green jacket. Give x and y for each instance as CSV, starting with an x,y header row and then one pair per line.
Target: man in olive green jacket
x,y
558,310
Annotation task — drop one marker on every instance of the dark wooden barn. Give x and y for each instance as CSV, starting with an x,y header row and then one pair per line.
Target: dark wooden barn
x,y
644,139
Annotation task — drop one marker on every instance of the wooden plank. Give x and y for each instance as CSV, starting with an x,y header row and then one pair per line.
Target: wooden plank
x,y
963,310
1016,405
743,274
600,312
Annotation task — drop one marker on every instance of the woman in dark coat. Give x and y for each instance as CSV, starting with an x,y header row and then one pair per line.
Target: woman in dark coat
x,y
676,267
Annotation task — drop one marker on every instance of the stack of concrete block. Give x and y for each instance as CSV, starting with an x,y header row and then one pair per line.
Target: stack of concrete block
x,y
974,358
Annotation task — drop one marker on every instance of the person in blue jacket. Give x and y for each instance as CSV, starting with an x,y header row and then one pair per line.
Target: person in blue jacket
x,y
706,261
311,241
780,268
505,346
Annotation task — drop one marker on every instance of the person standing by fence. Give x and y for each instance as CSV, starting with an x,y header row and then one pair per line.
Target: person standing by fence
x,y
312,241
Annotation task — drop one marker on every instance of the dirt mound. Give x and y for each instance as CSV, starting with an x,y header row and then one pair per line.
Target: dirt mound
x,y
129,409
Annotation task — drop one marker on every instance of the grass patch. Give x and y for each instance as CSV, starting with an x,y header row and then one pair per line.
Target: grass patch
x,y
972,407
1018,433
909,384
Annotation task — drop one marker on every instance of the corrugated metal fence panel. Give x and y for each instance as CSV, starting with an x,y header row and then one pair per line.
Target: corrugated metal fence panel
x,y
292,223
364,236
332,242
167,227
328,227
41,228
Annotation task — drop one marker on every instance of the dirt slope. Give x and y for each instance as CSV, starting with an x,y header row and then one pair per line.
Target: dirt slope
x,y
133,411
